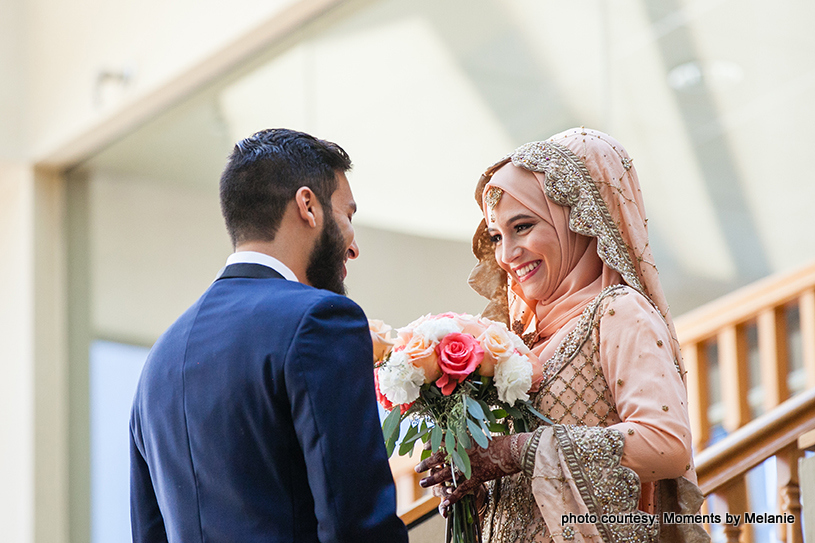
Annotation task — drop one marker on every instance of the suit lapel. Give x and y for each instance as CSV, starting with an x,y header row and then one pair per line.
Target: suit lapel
x,y
250,271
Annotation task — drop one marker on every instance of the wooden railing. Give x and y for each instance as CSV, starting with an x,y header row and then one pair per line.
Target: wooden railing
x,y
722,467
724,325
751,329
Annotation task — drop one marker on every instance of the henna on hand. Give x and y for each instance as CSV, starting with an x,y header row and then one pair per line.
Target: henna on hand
x,y
501,457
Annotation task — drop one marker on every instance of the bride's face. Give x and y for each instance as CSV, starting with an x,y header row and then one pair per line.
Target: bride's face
x,y
526,247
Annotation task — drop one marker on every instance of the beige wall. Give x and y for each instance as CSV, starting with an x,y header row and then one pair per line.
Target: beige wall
x,y
17,363
33,454
169,48
11,80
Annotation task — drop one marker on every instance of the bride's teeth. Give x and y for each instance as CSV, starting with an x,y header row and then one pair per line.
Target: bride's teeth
x,y
526,269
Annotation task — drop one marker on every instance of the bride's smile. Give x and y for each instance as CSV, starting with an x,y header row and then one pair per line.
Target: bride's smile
x,y
526,271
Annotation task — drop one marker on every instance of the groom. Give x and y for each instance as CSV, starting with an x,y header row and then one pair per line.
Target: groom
x,y
256,408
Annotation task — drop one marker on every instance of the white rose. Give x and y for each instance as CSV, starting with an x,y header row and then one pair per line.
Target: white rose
x,y
513,379
399,380
434,330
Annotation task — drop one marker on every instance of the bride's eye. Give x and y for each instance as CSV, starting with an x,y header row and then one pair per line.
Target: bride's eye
x,y
523,227
495,238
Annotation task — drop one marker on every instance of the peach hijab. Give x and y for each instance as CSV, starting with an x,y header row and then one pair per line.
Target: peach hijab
x,y
584,184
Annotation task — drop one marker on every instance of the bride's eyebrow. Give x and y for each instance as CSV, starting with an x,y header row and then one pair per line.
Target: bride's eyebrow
x,y
521,217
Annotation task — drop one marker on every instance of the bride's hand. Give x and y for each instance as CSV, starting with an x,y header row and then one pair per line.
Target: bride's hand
x,y
501,457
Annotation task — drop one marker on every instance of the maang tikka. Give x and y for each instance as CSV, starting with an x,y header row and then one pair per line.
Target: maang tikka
x,y
491,198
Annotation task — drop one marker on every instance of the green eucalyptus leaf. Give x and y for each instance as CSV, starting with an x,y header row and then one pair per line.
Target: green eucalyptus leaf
x,y
478,434
426,454
449,441
390,443
391,424
537,413
474,408
411,433
463,438
465,461
486,429
487,411
405,447
435,438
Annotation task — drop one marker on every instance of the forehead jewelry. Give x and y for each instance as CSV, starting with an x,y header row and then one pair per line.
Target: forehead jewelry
x,y
492,198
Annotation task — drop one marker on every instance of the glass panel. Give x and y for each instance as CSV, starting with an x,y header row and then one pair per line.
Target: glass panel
x,y
114,373
762,493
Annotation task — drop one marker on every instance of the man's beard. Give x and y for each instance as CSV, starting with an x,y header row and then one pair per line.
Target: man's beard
x,y
327,259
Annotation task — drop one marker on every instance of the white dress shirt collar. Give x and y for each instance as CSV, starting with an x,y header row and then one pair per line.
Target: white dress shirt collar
x,y
252,257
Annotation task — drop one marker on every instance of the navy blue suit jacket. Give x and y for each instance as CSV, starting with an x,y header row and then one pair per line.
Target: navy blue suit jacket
x,y
255,420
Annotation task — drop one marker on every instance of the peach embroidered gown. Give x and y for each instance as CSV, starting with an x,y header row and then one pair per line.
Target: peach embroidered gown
x,y
613,375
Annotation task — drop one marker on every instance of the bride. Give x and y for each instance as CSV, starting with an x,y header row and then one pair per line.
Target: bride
x,y
564,260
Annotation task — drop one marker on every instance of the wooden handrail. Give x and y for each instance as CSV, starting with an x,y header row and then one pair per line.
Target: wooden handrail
x,y
743,304
747,447
426,505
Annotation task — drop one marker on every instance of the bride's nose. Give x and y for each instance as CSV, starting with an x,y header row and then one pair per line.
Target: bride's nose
x,y
509,251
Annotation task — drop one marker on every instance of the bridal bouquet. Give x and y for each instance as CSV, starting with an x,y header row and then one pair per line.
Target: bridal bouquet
x,y
458,378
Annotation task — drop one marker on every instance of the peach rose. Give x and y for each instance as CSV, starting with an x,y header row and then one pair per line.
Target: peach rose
x,y
422,354
459,356
381,338
498,346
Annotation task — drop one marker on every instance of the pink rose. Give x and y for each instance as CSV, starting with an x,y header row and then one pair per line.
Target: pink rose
x,y
459,355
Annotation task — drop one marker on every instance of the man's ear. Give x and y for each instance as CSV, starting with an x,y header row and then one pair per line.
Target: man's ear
x,y
308,206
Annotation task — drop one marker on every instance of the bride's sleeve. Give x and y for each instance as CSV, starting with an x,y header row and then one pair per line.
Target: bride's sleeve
x,y
642,374
577,472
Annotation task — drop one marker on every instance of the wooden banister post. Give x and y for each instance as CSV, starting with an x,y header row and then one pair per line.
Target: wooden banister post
x,y
789,493
734,376
772,348
698,403
806,307
735,498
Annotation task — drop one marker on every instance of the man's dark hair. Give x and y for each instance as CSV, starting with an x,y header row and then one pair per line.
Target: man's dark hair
x,y
264,173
